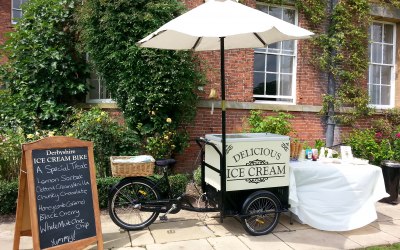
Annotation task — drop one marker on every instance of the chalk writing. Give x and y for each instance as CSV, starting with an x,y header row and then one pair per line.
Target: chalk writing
x,y
63,195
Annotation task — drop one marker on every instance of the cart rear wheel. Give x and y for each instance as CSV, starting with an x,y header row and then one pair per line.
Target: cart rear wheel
x,y
260,212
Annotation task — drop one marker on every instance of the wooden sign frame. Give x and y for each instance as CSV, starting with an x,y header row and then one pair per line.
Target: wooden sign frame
x,y
27,213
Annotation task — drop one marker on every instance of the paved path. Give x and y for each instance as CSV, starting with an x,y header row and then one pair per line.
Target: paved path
x,y
189,230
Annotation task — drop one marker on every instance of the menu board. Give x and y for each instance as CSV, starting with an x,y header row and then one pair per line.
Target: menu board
x,y
63,195
57,195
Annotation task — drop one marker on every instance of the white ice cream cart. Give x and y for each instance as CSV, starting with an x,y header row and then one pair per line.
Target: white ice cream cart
x,y
255,184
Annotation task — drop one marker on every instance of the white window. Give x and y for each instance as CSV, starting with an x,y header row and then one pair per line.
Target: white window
x,y
16,11
381,75
274,75
98,92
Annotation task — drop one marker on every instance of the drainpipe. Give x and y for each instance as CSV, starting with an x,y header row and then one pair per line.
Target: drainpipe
x,y
330,122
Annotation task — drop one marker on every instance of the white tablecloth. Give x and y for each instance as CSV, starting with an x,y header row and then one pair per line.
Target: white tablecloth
x,y
335,197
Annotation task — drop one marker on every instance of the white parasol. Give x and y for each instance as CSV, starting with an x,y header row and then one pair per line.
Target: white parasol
x,y
222,25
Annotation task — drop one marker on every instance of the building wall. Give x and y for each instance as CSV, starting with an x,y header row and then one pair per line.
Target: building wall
x,y
311,84
5,20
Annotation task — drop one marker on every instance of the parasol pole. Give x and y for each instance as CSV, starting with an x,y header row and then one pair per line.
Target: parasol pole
x,y
223,107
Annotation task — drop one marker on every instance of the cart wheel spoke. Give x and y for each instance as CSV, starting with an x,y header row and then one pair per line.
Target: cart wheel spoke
x,y
127,194
261,210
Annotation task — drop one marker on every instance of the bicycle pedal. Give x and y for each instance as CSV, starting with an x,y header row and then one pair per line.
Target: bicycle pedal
x,y
163,218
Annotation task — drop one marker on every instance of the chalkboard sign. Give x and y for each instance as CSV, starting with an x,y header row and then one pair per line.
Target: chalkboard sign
x,y
62,191
63,195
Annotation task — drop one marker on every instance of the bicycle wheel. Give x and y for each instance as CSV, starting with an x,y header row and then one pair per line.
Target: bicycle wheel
x,y
261,213
124,204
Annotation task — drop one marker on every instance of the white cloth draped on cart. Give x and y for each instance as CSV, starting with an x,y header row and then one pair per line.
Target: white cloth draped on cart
x,y
335,197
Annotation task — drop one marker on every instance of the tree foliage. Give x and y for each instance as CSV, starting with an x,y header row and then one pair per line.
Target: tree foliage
x,y
149,85
44,73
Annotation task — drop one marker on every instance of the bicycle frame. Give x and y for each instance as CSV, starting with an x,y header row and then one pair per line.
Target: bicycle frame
x,y
169,204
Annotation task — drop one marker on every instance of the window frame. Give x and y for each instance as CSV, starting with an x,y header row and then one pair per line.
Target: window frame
x,y
292,98
393,66
13,19
99,82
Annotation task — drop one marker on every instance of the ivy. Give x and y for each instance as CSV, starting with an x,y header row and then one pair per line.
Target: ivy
x,y
44,73
314,10
340,49
150,86
348,37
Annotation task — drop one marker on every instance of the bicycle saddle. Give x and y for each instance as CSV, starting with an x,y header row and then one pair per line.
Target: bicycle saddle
x,y
165,162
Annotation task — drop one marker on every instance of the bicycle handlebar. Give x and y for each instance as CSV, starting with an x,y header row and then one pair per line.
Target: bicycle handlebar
x,y
207,142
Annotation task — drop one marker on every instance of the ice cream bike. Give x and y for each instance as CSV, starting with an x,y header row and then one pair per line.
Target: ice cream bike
x,y
252,186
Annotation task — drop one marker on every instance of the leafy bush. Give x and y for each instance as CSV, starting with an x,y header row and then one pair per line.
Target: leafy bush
x,y
10,149
103,187
44,71
163,145
178,183
10,153
393,116
383,126
11,116
197,176
278,124
8,197
109,137
149,85
371,145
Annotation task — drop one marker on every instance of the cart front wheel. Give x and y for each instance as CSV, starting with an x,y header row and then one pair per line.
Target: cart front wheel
x,y
125,200
260,213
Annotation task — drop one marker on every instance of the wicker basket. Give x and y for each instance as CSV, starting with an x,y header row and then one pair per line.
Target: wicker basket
x,y
124,169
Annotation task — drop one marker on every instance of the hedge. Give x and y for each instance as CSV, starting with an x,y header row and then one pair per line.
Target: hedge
x,y
9,191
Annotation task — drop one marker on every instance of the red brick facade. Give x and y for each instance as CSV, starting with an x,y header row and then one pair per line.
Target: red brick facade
x,y
311,84
5,19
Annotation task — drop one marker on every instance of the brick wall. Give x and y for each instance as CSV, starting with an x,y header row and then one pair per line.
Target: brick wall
x,y
311,84
307,127
5,20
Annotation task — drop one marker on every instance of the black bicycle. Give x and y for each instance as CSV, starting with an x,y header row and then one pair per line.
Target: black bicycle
x,y
136,202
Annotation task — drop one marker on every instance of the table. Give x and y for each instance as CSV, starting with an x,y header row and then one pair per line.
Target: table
x,y
335,197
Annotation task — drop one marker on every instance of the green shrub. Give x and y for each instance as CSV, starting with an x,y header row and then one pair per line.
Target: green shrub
x,y
383,126
163,146
197,176
8,197
371,145
393,116
10,153
46,75
178,183
103,187
11,142
11,116
109,137
278,124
